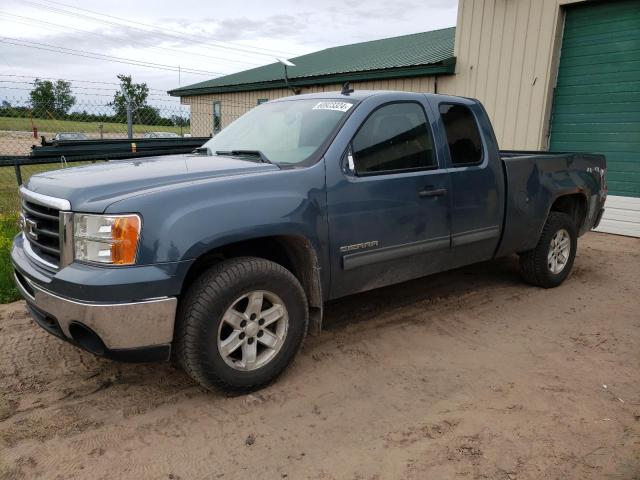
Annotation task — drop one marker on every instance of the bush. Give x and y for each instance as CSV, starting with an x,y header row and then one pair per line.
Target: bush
x,y
8,229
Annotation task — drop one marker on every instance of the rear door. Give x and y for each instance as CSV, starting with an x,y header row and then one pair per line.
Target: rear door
x,y
389,208
477,183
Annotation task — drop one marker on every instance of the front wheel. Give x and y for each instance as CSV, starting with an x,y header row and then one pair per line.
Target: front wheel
x,y
550,262
240,324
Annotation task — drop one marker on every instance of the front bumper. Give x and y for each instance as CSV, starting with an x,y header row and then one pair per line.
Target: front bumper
x,y
125,314
137,331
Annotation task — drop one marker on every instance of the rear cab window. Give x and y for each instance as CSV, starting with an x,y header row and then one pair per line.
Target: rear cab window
x,y
463,136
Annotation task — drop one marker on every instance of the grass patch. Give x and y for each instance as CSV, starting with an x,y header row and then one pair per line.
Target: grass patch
x,y
22,124
9,201
8,229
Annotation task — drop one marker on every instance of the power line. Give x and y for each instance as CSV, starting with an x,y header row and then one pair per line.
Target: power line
x,y
149,45
99,56
72,86
111,56
70,80
175,33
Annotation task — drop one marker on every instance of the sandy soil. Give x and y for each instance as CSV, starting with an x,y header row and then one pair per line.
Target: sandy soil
x,y
468,374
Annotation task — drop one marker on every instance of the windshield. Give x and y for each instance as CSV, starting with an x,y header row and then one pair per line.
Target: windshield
x,y
286,132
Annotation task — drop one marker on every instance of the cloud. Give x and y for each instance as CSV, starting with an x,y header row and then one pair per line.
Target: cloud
x,y
285,25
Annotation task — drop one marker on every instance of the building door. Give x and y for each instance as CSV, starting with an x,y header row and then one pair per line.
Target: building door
x,y
596,105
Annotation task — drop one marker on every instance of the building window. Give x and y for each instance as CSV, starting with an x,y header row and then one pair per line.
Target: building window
x,y
217,117
394,138
262,100
463,137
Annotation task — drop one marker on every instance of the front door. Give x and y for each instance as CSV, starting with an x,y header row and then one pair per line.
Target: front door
x,y
388,212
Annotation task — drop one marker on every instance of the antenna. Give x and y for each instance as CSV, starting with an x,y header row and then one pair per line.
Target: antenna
x,y
346,89
286,63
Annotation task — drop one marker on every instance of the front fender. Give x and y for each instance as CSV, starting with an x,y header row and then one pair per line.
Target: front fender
x,y
184,222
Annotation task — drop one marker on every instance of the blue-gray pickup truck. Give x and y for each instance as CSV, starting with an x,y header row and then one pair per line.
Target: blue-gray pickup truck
x,y
222,259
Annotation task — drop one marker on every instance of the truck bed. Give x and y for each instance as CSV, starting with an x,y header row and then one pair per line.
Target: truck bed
x,y
534,180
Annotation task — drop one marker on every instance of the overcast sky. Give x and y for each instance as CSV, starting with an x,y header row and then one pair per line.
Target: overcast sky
x,y
211,37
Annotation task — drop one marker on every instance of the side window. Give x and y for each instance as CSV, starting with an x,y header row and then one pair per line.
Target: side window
x,y
262,100
217,117
395,137
463,137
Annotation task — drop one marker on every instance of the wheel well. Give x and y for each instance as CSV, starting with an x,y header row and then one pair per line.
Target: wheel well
x,y
574,205
294,253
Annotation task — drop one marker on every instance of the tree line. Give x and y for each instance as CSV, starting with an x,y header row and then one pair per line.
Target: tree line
x,y
55,100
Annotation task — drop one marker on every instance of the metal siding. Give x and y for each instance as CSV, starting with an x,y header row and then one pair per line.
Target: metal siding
x,y
622,216
429,50
505,58
237,103
597,98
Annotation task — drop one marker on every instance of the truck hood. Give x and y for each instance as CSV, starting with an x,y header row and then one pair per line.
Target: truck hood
x,y
92,188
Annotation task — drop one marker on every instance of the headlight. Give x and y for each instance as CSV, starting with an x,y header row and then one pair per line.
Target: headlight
x,y
111,239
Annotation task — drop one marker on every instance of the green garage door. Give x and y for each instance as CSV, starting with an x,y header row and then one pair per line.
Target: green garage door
x,y
596,104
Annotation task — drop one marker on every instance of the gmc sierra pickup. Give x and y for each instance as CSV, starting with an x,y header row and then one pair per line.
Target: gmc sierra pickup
x,y
222,259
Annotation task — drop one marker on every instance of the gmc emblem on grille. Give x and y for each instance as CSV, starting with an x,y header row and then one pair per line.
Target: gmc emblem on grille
x,y
30,229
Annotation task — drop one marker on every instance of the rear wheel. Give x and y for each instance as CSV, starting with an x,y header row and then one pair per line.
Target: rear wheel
x,y
550,262
240,324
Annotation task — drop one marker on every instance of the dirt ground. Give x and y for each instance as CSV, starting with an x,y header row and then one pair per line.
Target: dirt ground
x,y
469,374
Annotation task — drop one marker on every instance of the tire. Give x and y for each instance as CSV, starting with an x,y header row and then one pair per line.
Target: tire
x,y
215,316
537,267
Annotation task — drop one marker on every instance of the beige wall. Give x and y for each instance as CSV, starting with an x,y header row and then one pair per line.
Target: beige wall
x,y
235,104
507,53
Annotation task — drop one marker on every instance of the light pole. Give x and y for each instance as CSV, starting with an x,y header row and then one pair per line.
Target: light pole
x,y
286,63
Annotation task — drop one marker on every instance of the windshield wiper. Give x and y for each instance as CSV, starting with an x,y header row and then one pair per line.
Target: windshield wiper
x,y
245,153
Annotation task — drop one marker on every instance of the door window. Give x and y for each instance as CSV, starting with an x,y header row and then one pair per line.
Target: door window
x,y
463,137
394,138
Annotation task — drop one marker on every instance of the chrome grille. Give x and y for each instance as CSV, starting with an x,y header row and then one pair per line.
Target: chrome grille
x,y
41,226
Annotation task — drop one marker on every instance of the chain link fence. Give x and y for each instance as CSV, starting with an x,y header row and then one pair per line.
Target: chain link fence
x,y
27,130
31,132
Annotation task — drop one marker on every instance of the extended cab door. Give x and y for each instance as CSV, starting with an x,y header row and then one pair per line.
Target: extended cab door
x,y
477,179
388,201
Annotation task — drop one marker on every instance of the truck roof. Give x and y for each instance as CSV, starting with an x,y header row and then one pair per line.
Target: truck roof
x,y
360,95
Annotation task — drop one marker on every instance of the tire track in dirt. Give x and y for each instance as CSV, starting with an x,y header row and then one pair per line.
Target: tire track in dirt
x,y
469,373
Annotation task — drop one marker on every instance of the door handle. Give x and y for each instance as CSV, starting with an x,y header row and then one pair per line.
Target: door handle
x,y
438,192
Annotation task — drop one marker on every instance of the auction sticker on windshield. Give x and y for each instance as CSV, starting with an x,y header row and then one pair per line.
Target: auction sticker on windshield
x,y
337,106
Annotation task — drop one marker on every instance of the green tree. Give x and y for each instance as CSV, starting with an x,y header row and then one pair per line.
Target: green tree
x,y
136,92
51,99
179,121
150,116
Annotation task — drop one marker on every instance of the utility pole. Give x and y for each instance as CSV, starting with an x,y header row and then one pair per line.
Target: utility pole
x,y
180,106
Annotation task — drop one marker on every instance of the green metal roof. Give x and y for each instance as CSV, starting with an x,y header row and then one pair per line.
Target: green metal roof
x,y
425,53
